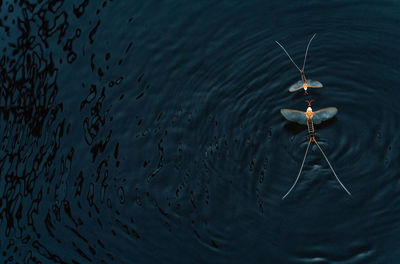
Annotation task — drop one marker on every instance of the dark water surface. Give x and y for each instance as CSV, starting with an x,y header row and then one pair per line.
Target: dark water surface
x,y
150,132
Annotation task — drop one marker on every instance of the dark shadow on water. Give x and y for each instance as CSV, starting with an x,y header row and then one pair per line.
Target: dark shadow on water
x,y
312,94
327,123
294,128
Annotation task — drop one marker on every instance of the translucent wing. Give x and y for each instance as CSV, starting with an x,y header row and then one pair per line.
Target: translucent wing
x,y
295,116
297,86
314,84
324,114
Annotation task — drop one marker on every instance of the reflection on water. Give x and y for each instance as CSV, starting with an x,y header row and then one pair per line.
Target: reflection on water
x,y
150,132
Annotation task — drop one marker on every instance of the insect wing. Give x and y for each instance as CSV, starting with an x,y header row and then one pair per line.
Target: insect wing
x,y
295,87
324,114
295,116
314,84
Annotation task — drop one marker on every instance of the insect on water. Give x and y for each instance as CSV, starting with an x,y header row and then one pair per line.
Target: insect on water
x,y
303,83
310,118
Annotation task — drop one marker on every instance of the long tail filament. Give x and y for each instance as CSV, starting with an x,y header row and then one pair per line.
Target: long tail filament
x,y
288,55
334,173
301,168
302,164
305,56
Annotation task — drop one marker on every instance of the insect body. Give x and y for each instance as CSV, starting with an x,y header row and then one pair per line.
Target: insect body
x,y
303,83
310,118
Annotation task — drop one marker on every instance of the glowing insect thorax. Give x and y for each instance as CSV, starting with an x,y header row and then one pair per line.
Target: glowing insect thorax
x,y
309,113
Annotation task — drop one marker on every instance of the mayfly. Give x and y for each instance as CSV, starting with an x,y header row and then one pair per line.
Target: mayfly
x,y
304,83
310,118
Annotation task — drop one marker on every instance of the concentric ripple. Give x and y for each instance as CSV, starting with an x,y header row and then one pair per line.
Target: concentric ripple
x,y
150,132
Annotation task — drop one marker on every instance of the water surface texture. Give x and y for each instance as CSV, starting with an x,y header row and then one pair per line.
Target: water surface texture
x,y
150,132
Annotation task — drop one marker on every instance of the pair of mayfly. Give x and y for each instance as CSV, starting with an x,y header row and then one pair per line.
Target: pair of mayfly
x,y
309,117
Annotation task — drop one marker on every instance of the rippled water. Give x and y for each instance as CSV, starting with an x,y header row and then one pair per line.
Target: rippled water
x,y
150,132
